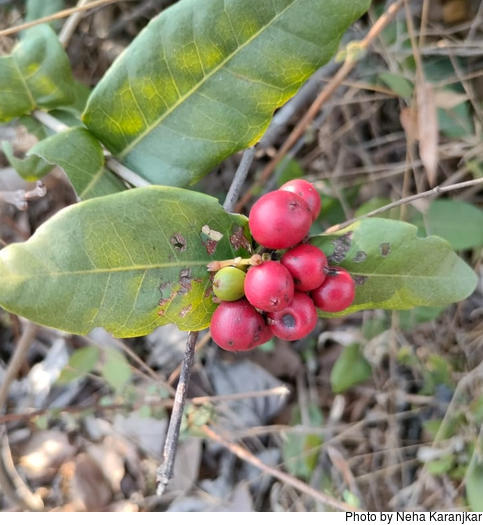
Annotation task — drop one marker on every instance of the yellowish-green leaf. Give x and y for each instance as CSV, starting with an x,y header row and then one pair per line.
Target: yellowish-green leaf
x,y
200,83
36,75
80,155
128,262
396,270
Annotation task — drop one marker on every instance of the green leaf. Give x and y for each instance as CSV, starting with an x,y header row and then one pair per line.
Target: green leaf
x,y
39,8
197,85
29,168
399,84
81,362
441,465
474,486
300,452
287,170
396,270
128,262
116,370
80,155
36,75
456,122
460,223
350,369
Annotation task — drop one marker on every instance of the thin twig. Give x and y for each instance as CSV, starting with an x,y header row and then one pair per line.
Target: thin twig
x,y
11,483
70,24
322,98
247,456
165,471
239,179
17,360
55,16
430,193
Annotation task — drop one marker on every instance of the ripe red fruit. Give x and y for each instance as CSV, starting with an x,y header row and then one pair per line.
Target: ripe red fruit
x,y
307,191
296,320
279,219
237,326
337,291
306,264
269,286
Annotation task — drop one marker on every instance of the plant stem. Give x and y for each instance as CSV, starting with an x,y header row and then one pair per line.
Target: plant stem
x,y
434,191
114,165
165,471
239,179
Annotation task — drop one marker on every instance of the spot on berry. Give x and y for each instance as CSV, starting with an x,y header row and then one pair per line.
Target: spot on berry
x,y
360,256
288,321
341,247
385,248
178,242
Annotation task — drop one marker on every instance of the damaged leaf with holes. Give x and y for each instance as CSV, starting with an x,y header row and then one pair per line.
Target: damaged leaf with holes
x,y
394,269
128,262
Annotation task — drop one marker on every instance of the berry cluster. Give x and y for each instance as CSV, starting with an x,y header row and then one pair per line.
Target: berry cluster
x,y
279,297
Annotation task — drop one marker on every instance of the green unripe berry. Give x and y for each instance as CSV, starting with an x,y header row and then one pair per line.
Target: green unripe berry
x,y
228,284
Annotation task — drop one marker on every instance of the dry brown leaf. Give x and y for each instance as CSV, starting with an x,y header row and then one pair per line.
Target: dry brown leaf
x,y
90,491
409,122
447,99
427,129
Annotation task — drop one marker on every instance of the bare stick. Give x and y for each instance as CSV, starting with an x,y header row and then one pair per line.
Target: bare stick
x,y
322,98
432,192
21,198
55,16
11,483
247,456
17,360
71,23
165,471
239,179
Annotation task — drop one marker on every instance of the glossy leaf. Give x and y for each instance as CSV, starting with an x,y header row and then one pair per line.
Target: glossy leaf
x,y
128,262
198,84
36,75
29,168
396,270
80,155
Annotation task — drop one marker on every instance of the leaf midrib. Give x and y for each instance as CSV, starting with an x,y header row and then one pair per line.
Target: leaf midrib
x,y
188,94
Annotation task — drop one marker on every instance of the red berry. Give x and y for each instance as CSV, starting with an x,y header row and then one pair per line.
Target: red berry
x,y
307,191
337,291
306,264
236,325
280,219
296,320
269,286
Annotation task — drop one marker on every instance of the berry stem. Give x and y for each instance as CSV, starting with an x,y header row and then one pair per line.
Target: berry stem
x,y
237,262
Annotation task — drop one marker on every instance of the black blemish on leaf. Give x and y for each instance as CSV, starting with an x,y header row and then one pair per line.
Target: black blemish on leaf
x,y
185,279
359,279
360,256
385,248
238,239
178,242
341,246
